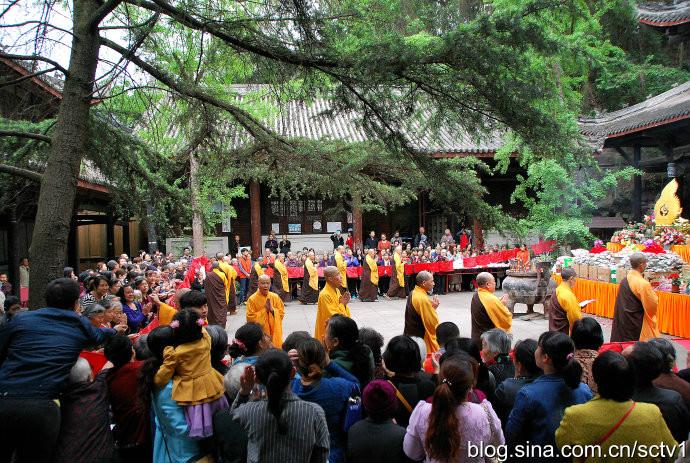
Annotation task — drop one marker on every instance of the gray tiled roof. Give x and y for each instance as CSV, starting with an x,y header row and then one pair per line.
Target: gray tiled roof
x,y
672,104
296,119
664,13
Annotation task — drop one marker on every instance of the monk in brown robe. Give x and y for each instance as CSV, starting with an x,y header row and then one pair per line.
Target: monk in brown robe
x,y
281,282
634,315
230,279
421,318
397,287
257,271
563,307
488,311
214,287
369,289
310,282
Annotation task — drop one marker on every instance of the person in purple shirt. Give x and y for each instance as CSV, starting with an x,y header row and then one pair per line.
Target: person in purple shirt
x,y
136,318
38,349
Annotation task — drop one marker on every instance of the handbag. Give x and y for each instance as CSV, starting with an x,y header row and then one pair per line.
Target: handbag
x,y
401,398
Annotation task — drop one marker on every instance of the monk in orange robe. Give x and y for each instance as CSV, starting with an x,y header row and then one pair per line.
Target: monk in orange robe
x,y
488,311
267,309
333,300
397,287
369,289
421,318
341,264
564,308
310,282
634,315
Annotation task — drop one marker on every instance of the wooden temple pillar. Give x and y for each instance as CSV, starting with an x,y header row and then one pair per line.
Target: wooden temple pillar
x,y
636,203
109,236
357,222
255,217
73,245
126,245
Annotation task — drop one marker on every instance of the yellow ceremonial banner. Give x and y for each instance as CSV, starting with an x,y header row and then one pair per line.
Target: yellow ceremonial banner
x,y
667,208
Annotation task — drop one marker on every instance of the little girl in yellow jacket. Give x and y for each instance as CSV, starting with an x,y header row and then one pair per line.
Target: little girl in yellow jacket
x,y
196,385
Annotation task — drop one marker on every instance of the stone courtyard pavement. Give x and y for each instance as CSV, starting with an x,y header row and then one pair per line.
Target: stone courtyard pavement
x,y
387,317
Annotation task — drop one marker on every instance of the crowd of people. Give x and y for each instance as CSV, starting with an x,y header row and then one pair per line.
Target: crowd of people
x,y
173,387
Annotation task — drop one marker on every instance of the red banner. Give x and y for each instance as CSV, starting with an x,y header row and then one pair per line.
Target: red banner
x,y
445,266
544,246
295,272
469,262
385,270
353,272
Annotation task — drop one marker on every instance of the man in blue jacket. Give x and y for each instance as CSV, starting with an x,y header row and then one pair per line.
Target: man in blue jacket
x,y
37,351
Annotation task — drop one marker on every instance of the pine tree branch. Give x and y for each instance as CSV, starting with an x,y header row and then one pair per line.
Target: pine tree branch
x,y
20,134
104,10
25,173
26,77
281,54
55,64
255,128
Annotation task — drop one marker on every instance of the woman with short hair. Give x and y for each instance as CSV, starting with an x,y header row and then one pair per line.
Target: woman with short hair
x,y
403,358
588,338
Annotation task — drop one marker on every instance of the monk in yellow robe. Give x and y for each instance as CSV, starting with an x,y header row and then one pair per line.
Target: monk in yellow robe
x,y
257,271
267,309
564,308
488,311
397,287
230,279
310,282
421,318
332,301
634,315
281,282
369,289
341,264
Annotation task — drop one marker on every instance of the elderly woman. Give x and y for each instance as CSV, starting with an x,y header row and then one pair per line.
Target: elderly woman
x,y
94,312
496,354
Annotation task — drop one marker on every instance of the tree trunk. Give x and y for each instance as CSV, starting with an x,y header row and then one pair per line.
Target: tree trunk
x,y
357,221
197,220
59,183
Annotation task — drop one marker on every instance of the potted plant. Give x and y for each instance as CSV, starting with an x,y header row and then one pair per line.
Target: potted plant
x,y
675,282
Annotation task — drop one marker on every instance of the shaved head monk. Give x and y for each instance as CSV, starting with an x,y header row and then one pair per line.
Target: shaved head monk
x,y
333,300
488,311
634,315
267,309
421,318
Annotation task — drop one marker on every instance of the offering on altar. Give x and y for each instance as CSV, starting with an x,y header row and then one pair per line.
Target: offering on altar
x,y
598,247
653,247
